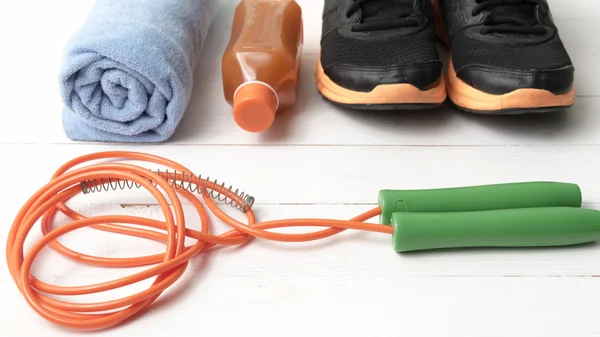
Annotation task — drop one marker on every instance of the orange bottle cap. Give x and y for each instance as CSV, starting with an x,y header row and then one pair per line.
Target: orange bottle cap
x,y
254,106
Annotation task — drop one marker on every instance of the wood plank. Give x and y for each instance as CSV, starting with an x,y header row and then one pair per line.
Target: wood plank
x,y
338,188
328,174
352,254
350,306
313,121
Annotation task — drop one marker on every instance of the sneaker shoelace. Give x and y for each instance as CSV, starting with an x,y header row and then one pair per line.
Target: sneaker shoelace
x,y
382,14
509,16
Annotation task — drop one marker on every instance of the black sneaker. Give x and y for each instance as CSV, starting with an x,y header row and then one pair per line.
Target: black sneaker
x,y
380,54
506,56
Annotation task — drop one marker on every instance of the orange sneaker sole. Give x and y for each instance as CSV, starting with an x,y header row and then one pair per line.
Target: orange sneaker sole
x,y
525,100
382,97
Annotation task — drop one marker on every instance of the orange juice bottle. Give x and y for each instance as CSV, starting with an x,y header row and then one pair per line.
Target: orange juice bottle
x,y
261,63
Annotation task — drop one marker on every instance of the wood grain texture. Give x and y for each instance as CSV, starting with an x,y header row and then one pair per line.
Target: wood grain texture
x,y
317,161
338,174
272,305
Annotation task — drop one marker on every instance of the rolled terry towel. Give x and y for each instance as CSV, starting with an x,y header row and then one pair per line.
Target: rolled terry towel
x,y
127,73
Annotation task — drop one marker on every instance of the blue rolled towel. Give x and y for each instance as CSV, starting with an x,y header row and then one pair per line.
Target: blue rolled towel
x,y
127,73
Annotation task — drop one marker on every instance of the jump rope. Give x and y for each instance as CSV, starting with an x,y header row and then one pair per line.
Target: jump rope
x,y
528,214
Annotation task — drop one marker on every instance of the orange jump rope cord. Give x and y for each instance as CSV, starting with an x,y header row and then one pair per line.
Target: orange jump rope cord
x,y
167,267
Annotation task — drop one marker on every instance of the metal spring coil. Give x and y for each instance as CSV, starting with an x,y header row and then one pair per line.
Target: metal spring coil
x,y
219,192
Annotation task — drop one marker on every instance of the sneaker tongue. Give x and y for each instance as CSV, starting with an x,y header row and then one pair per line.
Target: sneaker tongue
x,y
385,8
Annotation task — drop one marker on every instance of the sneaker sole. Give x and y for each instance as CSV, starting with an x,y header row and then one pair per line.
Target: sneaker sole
x,y
383,97
520,101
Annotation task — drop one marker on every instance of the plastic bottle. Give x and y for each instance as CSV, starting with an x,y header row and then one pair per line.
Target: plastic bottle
x,y
261,63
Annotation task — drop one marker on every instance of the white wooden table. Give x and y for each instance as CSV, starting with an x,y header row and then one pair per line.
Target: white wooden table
x,y
327,162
